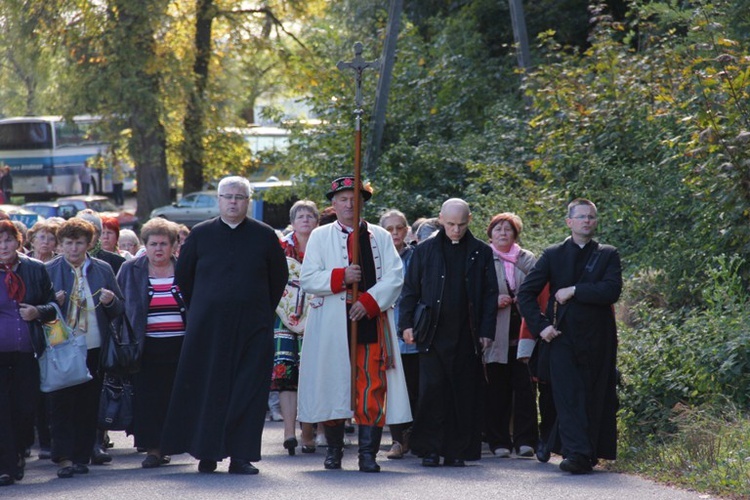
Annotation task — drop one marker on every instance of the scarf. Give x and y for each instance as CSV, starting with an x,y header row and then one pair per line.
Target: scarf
x,y
77,315
13,282
509,262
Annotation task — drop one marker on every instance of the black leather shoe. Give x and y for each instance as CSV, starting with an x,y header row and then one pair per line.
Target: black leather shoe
x,y
308,448
100,457
65,472
151,462
80,469
242,467
207,466
5,480
431,460
454,462
290,444
576,465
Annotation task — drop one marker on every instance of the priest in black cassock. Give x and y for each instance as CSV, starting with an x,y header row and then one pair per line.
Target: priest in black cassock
x,y
231,272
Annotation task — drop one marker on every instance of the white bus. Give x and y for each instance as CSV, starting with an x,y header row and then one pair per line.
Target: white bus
x,y
46,155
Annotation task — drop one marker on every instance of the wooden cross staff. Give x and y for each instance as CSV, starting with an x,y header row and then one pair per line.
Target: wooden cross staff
x,y
358,64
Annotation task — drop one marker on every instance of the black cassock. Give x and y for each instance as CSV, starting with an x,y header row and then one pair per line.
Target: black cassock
x,y
232,280
580,363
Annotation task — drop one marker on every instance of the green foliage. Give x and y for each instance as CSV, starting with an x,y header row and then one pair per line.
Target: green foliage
x,y
709,452
689,357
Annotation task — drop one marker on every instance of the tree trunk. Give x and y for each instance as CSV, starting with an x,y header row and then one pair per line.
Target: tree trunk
x,y
194,123
134,48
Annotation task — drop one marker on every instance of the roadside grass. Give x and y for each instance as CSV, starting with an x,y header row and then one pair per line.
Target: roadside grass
x,y
709,453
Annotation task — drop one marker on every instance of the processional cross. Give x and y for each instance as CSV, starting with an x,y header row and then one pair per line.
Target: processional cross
x,y
358,64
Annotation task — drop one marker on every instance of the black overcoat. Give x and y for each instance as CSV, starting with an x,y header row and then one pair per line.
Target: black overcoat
x,y
589,333
232,280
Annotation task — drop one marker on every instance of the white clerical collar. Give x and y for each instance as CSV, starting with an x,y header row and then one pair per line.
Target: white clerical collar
x,y
233,226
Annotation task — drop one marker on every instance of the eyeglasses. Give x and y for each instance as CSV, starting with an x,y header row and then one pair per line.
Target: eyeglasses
x,y
584,217
235,197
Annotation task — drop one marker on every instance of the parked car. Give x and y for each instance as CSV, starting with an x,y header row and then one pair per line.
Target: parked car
x,y
101,204
191,209
15,212
49,209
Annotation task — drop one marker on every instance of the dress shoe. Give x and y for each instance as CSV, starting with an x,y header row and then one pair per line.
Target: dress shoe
x,y
501,452
100,457
431,460
5,480
151,462
290,444
308,448
525,452
207,466
65,472
396,452
576,464
237,466
80,469
454,462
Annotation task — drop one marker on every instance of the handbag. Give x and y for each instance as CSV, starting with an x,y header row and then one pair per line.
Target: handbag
x,y
121,352
63,364
421,322
116,403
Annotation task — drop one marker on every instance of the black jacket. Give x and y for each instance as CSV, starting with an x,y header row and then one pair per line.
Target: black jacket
x,y
39,293
425,280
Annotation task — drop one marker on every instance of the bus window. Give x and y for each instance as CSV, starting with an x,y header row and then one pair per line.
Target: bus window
x,y
72,134
25,136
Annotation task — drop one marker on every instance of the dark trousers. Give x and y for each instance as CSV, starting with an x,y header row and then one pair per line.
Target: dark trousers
x,y
117,193
511,416
547,412
19,389
448,420
42,422
73,415
569,391
410,363
153,387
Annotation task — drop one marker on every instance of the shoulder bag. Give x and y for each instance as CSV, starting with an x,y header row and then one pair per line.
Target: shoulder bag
x,y
121,353
63,362
116,403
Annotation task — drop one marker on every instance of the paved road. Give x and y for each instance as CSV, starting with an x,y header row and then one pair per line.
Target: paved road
x,y
303,477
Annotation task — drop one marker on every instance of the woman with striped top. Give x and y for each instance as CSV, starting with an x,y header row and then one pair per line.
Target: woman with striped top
x,y
157,312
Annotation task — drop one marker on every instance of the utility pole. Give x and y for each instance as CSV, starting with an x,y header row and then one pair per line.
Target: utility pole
x,y
384,86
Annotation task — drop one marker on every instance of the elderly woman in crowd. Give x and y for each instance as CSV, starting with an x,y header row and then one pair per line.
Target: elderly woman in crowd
x,y
129,242
396,224
110,237
289,326
90,298
26,297
43,238
182,233
156,312
510,393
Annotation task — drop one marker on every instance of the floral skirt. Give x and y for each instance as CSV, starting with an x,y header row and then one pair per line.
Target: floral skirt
x,y
287,345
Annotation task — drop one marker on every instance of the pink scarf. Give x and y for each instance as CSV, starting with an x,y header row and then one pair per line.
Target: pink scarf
x,y
509,262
